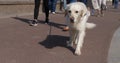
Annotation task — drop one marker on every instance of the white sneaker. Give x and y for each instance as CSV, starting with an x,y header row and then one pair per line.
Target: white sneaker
x,y
34,23
53,13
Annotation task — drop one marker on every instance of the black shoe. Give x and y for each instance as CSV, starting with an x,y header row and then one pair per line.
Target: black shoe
x,y
34,23
47,21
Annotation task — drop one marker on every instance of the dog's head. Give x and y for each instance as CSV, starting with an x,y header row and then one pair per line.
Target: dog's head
x,y
75,11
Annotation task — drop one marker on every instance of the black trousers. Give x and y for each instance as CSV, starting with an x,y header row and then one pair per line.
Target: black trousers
x,y
45,7
113,2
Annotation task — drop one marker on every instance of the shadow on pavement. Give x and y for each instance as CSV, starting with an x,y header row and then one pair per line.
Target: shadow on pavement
x,y
56,41
26,20
57,25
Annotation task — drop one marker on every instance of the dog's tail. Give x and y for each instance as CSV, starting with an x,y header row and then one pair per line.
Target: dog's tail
x,y
90,25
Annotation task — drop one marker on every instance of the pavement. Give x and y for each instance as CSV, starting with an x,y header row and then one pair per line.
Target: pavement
x,y
21,43
114,52
11,2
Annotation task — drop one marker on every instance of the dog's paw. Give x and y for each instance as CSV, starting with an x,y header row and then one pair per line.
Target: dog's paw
x,y
78,52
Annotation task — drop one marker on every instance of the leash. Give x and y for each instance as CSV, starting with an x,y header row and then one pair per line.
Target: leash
x,y
50,29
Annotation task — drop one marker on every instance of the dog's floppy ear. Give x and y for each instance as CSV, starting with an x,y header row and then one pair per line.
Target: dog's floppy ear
x,y
67,6
82,13
66,9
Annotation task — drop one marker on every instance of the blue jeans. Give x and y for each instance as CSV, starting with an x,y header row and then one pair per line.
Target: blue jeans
x,y
84,1
116,3
72,1
69,1
64,4
52,5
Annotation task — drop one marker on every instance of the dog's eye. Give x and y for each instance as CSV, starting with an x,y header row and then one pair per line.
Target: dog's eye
x,y
76,11
69,11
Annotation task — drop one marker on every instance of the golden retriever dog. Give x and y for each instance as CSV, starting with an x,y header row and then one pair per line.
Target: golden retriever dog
x,y
78,14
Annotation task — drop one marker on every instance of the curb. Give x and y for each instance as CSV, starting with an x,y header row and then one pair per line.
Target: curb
x,y
114,51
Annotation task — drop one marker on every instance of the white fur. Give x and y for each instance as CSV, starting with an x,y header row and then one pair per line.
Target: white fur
x,y
79,14
90,25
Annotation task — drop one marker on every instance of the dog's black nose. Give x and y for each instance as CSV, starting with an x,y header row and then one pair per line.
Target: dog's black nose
x,y
71,19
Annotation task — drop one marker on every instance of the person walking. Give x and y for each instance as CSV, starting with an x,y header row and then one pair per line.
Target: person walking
x,y
102,3
61,5
64,4
52,6
97,7
90,7
36,12
115,3
103,6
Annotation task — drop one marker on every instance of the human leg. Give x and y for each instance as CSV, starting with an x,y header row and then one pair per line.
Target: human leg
x,y
53,5
36,8
36,13
116,4
66,28
113,2
85,2
46,6
71,1
64,4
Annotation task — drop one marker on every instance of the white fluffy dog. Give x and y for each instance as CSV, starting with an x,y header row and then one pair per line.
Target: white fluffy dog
x,y
78,15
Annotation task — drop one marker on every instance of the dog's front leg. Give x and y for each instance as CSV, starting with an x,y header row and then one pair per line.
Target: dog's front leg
x,y
72,37
80,39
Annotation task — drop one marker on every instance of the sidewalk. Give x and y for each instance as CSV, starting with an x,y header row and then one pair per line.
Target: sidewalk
x,y
21,43
114,52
